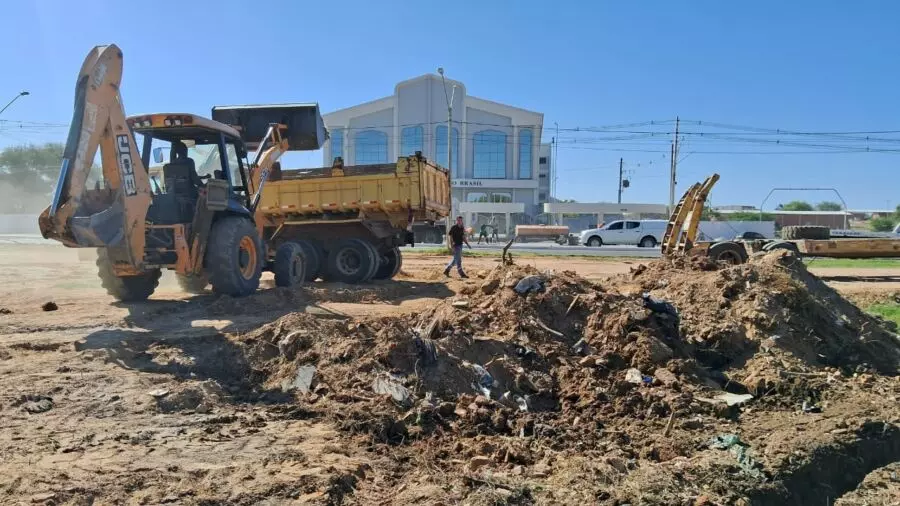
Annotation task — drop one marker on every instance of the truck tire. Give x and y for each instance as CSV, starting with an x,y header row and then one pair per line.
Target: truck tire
x,y
315,257
234,257
727,252
647,242
595,241
781,245
391,264
349,261
193,283
816,233
125,288
290,265
376,259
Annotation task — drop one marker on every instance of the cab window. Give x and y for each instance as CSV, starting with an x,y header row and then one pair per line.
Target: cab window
x,y
632,224
617,225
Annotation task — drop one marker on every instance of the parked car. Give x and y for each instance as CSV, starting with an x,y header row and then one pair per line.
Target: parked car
x,y
643,233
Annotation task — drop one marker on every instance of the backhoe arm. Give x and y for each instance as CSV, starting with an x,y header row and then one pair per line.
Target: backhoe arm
x,y
270,150
111,214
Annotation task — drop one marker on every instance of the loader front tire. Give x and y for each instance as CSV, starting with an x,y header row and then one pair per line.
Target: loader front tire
x,y
234,257
125,288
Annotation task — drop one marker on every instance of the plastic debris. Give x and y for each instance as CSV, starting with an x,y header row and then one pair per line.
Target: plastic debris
x,y
302,380
726,397
427,350
159,392
461,304
529,284
388,384
741,452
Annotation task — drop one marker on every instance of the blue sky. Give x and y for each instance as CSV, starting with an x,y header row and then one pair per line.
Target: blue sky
x,y
805,66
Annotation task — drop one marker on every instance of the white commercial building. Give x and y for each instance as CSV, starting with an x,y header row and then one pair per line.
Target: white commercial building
x,y
500,168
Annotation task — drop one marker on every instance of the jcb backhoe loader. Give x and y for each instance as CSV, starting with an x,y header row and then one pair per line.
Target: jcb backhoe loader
x,y
200,218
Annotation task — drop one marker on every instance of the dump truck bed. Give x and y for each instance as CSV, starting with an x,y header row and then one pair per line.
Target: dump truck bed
x,y
850,248
359,192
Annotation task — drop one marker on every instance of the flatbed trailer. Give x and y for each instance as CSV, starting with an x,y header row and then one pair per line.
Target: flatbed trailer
x,y
737,252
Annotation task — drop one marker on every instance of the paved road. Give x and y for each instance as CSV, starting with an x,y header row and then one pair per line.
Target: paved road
x,y
553,249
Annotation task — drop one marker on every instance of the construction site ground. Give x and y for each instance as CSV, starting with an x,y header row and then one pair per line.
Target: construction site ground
x,y
756,384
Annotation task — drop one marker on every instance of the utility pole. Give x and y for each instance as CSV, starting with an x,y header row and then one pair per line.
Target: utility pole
x,y
673,165
620,180
554,161
449,142
21,94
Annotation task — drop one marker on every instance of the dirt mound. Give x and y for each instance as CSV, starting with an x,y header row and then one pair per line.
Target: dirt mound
x,y
584,388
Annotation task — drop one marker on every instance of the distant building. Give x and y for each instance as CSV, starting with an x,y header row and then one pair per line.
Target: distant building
x,y
499,164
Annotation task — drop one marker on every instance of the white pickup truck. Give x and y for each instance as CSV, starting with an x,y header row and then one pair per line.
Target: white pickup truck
x,y
643,233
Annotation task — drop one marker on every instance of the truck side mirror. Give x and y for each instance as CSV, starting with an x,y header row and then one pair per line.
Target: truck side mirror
x,y
158,155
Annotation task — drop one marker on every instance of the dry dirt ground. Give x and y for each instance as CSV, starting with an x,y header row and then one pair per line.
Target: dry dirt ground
x,y
190,400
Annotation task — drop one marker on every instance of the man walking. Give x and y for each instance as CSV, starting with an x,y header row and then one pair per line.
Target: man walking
x,y
456,238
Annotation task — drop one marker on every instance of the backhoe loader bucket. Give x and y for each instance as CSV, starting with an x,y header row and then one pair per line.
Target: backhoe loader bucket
x,y
305,128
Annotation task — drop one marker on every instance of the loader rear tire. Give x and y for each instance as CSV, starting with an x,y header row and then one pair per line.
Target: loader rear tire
x,y
349,261
125,288
194,283
816,233
290,265
390,265
315,259
727,252
234,257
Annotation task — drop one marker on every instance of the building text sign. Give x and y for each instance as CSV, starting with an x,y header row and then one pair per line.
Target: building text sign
x,y
494,183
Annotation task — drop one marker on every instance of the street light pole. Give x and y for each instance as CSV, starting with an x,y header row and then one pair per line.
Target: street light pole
x,y
21,94
449,139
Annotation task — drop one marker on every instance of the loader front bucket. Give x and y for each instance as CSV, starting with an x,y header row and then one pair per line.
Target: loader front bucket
x,y
305,128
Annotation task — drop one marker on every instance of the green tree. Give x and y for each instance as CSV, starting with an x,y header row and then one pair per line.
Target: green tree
x,y
828,206
796,205
881,224
31,168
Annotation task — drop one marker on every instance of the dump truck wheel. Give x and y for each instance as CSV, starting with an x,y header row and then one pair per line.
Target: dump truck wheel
x,y
315,258
193,283
290,265
815,233
125,288
728,252
376,259
350,261
391,264
234,257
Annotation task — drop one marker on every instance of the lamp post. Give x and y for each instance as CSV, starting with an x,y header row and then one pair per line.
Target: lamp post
x,y
21,94
449,100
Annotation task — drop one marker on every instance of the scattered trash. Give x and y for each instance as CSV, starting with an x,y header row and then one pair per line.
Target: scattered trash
x,y
484,378
581,347
741,452
529,284
461,304
4,310
35,403
810,407
726,397
634,376
159,392
49,306
426,349
388,384
659,306
302,381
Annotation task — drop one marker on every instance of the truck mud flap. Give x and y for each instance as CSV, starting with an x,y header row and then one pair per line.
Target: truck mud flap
x,y
105,228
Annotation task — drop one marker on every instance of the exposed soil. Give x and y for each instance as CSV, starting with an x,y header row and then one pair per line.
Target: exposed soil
x,y
754,384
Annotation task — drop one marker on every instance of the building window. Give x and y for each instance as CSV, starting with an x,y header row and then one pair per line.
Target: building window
x,y
501,198
525,154
542,197
542,176
490,155
411,140
440,147
542,160
477,197
371,147
337,144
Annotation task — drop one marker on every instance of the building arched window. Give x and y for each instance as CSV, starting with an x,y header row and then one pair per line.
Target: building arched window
x,y
370,147
411,140
490,155
525,153
440,147
337,143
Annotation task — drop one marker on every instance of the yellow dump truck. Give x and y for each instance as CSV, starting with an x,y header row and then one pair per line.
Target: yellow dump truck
x,y
349,221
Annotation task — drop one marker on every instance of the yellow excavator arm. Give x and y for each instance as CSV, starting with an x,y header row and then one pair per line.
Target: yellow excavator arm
x,y
111,214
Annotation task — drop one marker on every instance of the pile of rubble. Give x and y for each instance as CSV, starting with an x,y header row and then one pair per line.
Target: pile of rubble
x,y
544,386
